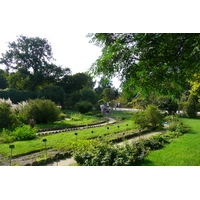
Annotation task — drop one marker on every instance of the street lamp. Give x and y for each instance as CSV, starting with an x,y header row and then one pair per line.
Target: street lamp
x,y
11,148
45,143
107,129
118,128
76,134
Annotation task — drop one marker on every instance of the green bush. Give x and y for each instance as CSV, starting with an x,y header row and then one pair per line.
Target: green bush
x,y
7,117
178,127
150,118
76,117
191,109
83,106
24,133
5,137
41,110
108,155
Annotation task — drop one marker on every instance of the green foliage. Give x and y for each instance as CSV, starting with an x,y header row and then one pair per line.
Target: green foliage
x,y
108,155
53,93
149,61
109,94
178,126
191,109
17,96
3,81
32,57
5,137
7,117
76,117
41,110
150,118
167,103
19,81
24,133
84,106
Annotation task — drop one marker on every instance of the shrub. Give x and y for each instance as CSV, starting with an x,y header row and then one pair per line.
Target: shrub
x,y
61,116
83,106
24,133
41,110
150,118
178,127
107,155
5,137
191,109
76,117
7,117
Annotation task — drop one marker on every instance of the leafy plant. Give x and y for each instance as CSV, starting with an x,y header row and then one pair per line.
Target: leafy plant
x,y
84,106
150,118
41,110
24,133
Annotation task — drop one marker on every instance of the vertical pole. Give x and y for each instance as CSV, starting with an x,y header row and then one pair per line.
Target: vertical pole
x,y
11,157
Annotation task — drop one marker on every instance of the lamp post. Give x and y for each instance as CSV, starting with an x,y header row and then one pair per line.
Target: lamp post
x,y
107,130
126,127
118,128
45,143
11,148
76,134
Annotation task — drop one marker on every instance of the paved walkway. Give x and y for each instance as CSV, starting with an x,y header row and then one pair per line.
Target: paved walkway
x,y
71,161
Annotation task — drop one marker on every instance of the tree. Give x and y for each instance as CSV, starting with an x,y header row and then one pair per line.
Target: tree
x,y
53,93
109,94
76,82
3,81
162,62
19,81
32,56
103,83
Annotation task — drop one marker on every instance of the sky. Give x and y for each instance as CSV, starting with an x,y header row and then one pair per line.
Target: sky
x,y
54,21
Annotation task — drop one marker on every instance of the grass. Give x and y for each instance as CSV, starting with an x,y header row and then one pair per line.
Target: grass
x,y
64,140
86,119
183,151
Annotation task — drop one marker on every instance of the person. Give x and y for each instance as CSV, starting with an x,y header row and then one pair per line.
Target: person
x,y
102,108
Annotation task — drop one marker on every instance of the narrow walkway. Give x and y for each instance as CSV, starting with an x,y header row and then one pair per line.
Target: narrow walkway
x,y
71,161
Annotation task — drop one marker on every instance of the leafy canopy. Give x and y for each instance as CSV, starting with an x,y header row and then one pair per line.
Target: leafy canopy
x,y
162,62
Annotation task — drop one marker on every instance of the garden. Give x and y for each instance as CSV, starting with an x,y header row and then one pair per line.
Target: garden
x,y
48,114
90,138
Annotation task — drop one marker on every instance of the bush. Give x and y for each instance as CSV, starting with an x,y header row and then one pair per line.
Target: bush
x,y
24,133
107,155
7,117
191,109
150,118
41,110
83,106
178,127
76,117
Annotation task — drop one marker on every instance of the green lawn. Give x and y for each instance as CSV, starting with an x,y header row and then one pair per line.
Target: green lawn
x,y
86,119
184,151
64,140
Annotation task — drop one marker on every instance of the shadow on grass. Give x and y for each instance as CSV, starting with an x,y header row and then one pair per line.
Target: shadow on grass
x,y
145,162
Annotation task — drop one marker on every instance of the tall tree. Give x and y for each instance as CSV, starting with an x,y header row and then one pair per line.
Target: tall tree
x,y
33,56
162,62
3,81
